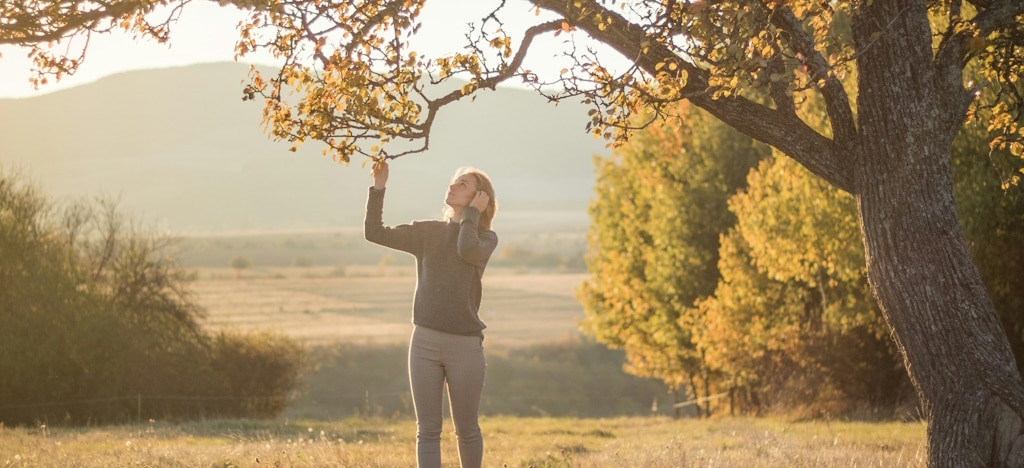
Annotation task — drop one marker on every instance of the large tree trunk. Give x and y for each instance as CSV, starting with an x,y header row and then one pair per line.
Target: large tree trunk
x,y
919,265
943,320
897,164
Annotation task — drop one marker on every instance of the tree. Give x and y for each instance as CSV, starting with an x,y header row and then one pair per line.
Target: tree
x,y
658,211
240,263
791,324
38,26
750,65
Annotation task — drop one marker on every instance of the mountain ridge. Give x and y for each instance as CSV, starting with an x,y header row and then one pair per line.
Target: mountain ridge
x,y
182,150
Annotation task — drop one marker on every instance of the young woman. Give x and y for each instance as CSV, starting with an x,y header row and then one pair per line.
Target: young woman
x,y
446,347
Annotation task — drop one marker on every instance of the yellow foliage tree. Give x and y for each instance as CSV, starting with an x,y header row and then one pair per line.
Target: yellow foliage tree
x,y
659,208
791,324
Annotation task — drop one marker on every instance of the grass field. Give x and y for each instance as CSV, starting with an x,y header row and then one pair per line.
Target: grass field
x,y
509,442
373,304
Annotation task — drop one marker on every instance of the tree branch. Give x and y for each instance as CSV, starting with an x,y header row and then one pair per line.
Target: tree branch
x,y
16,29
956,49
1001,14
837,102
490,82
774,127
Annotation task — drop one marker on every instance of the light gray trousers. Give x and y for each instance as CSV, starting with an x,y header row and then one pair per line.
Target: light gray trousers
x,y
437,359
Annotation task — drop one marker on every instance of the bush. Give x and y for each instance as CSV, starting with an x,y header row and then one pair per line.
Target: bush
x,y
258,372
99,325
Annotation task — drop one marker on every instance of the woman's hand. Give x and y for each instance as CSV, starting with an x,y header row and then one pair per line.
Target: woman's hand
x,y
480,201
380,174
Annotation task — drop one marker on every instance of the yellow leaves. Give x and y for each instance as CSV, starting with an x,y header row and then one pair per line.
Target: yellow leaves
x,y
671,64
504,44
645,46
602,21
1017,148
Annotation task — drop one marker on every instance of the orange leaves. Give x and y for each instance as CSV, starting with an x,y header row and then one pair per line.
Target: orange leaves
x,y
566,28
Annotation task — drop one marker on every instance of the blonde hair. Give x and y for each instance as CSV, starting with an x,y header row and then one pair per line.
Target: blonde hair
x,y
483,182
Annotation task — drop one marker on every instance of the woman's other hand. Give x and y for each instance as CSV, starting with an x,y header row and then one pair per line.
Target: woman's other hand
x,y
480,201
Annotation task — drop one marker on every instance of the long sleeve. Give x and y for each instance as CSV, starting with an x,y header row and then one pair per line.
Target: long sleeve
x,y
475,245
450,262
401,237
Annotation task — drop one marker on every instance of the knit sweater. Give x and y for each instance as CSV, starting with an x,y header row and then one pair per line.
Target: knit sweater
x,y
450,262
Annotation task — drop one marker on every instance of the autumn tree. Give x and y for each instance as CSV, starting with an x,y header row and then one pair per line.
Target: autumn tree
x,y
791,325
658,211
362,86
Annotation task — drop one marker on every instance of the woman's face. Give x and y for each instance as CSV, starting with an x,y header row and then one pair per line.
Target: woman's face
x,y
461,191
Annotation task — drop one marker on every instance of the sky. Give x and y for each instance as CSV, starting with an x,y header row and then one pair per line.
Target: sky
x,y
206,32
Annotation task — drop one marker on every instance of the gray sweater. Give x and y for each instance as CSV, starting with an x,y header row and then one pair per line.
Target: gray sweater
x,y
450,261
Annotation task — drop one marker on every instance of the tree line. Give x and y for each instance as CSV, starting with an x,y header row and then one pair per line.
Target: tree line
x,y
719,266
99,325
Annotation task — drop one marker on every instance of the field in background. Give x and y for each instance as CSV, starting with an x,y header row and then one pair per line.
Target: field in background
x,y
372,304
649,442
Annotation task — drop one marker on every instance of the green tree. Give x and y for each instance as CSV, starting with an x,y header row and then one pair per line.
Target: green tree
x,y
750,65
659,208
240,263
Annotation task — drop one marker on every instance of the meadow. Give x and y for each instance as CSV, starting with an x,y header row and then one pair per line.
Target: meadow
x,y
347,305
510,442
372,304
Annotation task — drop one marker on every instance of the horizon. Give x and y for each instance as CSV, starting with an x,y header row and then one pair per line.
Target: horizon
x,y
137,154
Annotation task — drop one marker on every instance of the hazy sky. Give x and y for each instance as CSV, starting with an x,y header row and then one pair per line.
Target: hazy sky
x,y
206,33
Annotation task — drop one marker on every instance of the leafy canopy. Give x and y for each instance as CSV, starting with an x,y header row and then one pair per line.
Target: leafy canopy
x,y
352,78
362,84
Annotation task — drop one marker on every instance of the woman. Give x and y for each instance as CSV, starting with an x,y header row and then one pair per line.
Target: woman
x,y
447,339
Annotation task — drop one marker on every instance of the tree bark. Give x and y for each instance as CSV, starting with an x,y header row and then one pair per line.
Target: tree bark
x,y
919,265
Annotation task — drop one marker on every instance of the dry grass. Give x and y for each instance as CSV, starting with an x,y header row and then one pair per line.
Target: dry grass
x,y
513,442
373,304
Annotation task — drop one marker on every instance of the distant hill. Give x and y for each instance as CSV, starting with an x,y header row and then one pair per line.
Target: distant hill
x,y
182,150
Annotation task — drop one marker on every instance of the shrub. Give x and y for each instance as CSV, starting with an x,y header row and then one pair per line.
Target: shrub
x,y
258,371
100,326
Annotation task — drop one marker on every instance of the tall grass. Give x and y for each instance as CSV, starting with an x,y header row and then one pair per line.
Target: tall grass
x,y
512,442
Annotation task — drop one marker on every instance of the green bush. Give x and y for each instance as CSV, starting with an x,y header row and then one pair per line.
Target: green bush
x,y
100,326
